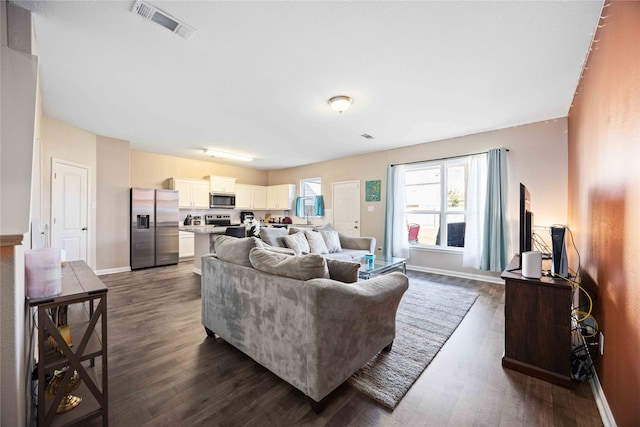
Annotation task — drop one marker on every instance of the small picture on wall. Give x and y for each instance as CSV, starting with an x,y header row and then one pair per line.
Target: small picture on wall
x,y
373,191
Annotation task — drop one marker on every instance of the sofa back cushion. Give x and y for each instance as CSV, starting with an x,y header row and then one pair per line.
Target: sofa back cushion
x,y
298,242
235,250
303,267
332,240
316,242
274,236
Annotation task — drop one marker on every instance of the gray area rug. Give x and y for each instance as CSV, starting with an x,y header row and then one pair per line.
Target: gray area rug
x,y
427,316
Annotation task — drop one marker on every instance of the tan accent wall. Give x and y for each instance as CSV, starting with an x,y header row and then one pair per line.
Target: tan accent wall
x,y
604,199
151,170
65,142
112,201
537,158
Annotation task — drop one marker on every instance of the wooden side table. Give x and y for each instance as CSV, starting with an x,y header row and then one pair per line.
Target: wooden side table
x,y
81,305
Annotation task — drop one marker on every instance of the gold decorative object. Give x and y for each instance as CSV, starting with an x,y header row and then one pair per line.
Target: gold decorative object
x,y
69,401
66,335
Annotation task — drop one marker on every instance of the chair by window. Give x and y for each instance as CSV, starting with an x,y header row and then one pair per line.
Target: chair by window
x,y
414,229
455,234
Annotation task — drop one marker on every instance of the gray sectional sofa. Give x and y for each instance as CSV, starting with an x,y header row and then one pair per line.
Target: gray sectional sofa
x,y
336,245
291,315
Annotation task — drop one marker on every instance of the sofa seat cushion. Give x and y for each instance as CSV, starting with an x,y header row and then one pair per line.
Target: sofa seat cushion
x,y
274,236
347,254
302,267
235,250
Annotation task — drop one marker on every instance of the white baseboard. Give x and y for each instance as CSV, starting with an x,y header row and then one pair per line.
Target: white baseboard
x,y
112,270
601,402
460,274
197,271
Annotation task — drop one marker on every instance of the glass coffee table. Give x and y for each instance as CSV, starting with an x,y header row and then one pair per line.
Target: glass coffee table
x,y
381,265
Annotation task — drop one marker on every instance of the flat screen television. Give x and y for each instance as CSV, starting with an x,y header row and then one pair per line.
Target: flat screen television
x,y
525,224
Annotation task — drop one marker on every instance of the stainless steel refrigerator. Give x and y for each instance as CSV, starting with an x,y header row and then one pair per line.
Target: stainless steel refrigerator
x,y
154,227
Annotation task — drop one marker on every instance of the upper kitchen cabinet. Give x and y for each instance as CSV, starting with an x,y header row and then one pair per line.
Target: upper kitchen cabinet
x,y
222,184
192,193
281,197
251,196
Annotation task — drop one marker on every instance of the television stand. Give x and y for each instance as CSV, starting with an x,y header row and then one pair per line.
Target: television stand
x,y
537,326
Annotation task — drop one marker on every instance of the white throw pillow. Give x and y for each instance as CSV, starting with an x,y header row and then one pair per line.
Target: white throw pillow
x,y
316,242
332,240
297,242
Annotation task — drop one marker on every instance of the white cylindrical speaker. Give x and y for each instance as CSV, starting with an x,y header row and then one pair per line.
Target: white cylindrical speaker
x,y
532,264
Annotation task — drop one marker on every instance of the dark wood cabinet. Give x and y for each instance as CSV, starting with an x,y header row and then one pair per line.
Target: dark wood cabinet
x,y
537,326
79,311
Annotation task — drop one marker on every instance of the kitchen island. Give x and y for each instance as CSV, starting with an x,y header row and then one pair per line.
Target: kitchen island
x,y
203,237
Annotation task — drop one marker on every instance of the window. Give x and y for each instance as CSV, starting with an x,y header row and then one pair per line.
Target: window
x,y
309,189
435,200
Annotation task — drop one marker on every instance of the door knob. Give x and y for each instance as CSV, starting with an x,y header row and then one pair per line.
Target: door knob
x,y
84,228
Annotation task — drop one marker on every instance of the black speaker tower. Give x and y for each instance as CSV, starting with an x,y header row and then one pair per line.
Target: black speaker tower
x,y
560,264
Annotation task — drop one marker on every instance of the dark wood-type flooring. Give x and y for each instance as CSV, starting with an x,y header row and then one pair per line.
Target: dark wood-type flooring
x,y
164,371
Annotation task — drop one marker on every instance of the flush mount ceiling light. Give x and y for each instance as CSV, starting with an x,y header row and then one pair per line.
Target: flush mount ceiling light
x,y
224,155
340,103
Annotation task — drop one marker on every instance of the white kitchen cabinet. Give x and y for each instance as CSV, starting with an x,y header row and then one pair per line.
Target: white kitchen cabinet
x,y
251,196
243,196
281,197
259,197
200,194
222,184
185,244
192,193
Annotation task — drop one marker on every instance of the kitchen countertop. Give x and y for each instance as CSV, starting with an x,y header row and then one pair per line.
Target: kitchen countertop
x,y
203,229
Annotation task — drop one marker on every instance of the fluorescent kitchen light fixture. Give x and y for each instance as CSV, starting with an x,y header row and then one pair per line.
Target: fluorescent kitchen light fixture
x,y
225,155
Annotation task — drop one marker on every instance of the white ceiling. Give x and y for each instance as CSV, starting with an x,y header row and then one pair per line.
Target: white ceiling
x,y
256,76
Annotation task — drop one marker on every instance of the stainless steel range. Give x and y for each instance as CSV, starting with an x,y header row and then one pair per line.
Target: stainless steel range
x,y
218,220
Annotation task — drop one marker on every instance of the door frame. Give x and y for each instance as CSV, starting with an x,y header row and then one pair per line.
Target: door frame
x,y
54,162
355,181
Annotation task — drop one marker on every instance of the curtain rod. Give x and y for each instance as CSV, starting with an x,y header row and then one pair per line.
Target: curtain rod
x,y
442,158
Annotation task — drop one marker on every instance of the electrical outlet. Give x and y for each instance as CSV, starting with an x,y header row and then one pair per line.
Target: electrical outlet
x,y
601,344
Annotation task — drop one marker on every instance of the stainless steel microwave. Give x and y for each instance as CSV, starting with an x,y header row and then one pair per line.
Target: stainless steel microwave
x,y
222,200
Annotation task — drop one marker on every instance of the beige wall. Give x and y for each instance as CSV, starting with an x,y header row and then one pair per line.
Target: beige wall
x,y
151,170
537,158
65,142
112,197
19,109
604,202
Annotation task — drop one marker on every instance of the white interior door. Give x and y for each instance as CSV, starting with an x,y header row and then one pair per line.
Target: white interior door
x,y
346,207
69,209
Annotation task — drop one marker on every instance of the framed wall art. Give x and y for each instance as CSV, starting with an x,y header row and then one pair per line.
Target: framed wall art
x,y
372,190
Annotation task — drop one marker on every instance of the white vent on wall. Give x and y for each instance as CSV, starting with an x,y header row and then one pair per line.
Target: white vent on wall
x,y
152,13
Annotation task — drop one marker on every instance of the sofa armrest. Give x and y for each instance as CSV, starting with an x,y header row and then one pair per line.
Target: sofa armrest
x,y
347,325
362,243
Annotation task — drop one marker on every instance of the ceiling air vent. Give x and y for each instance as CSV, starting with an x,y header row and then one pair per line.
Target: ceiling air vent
x,y
152,13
